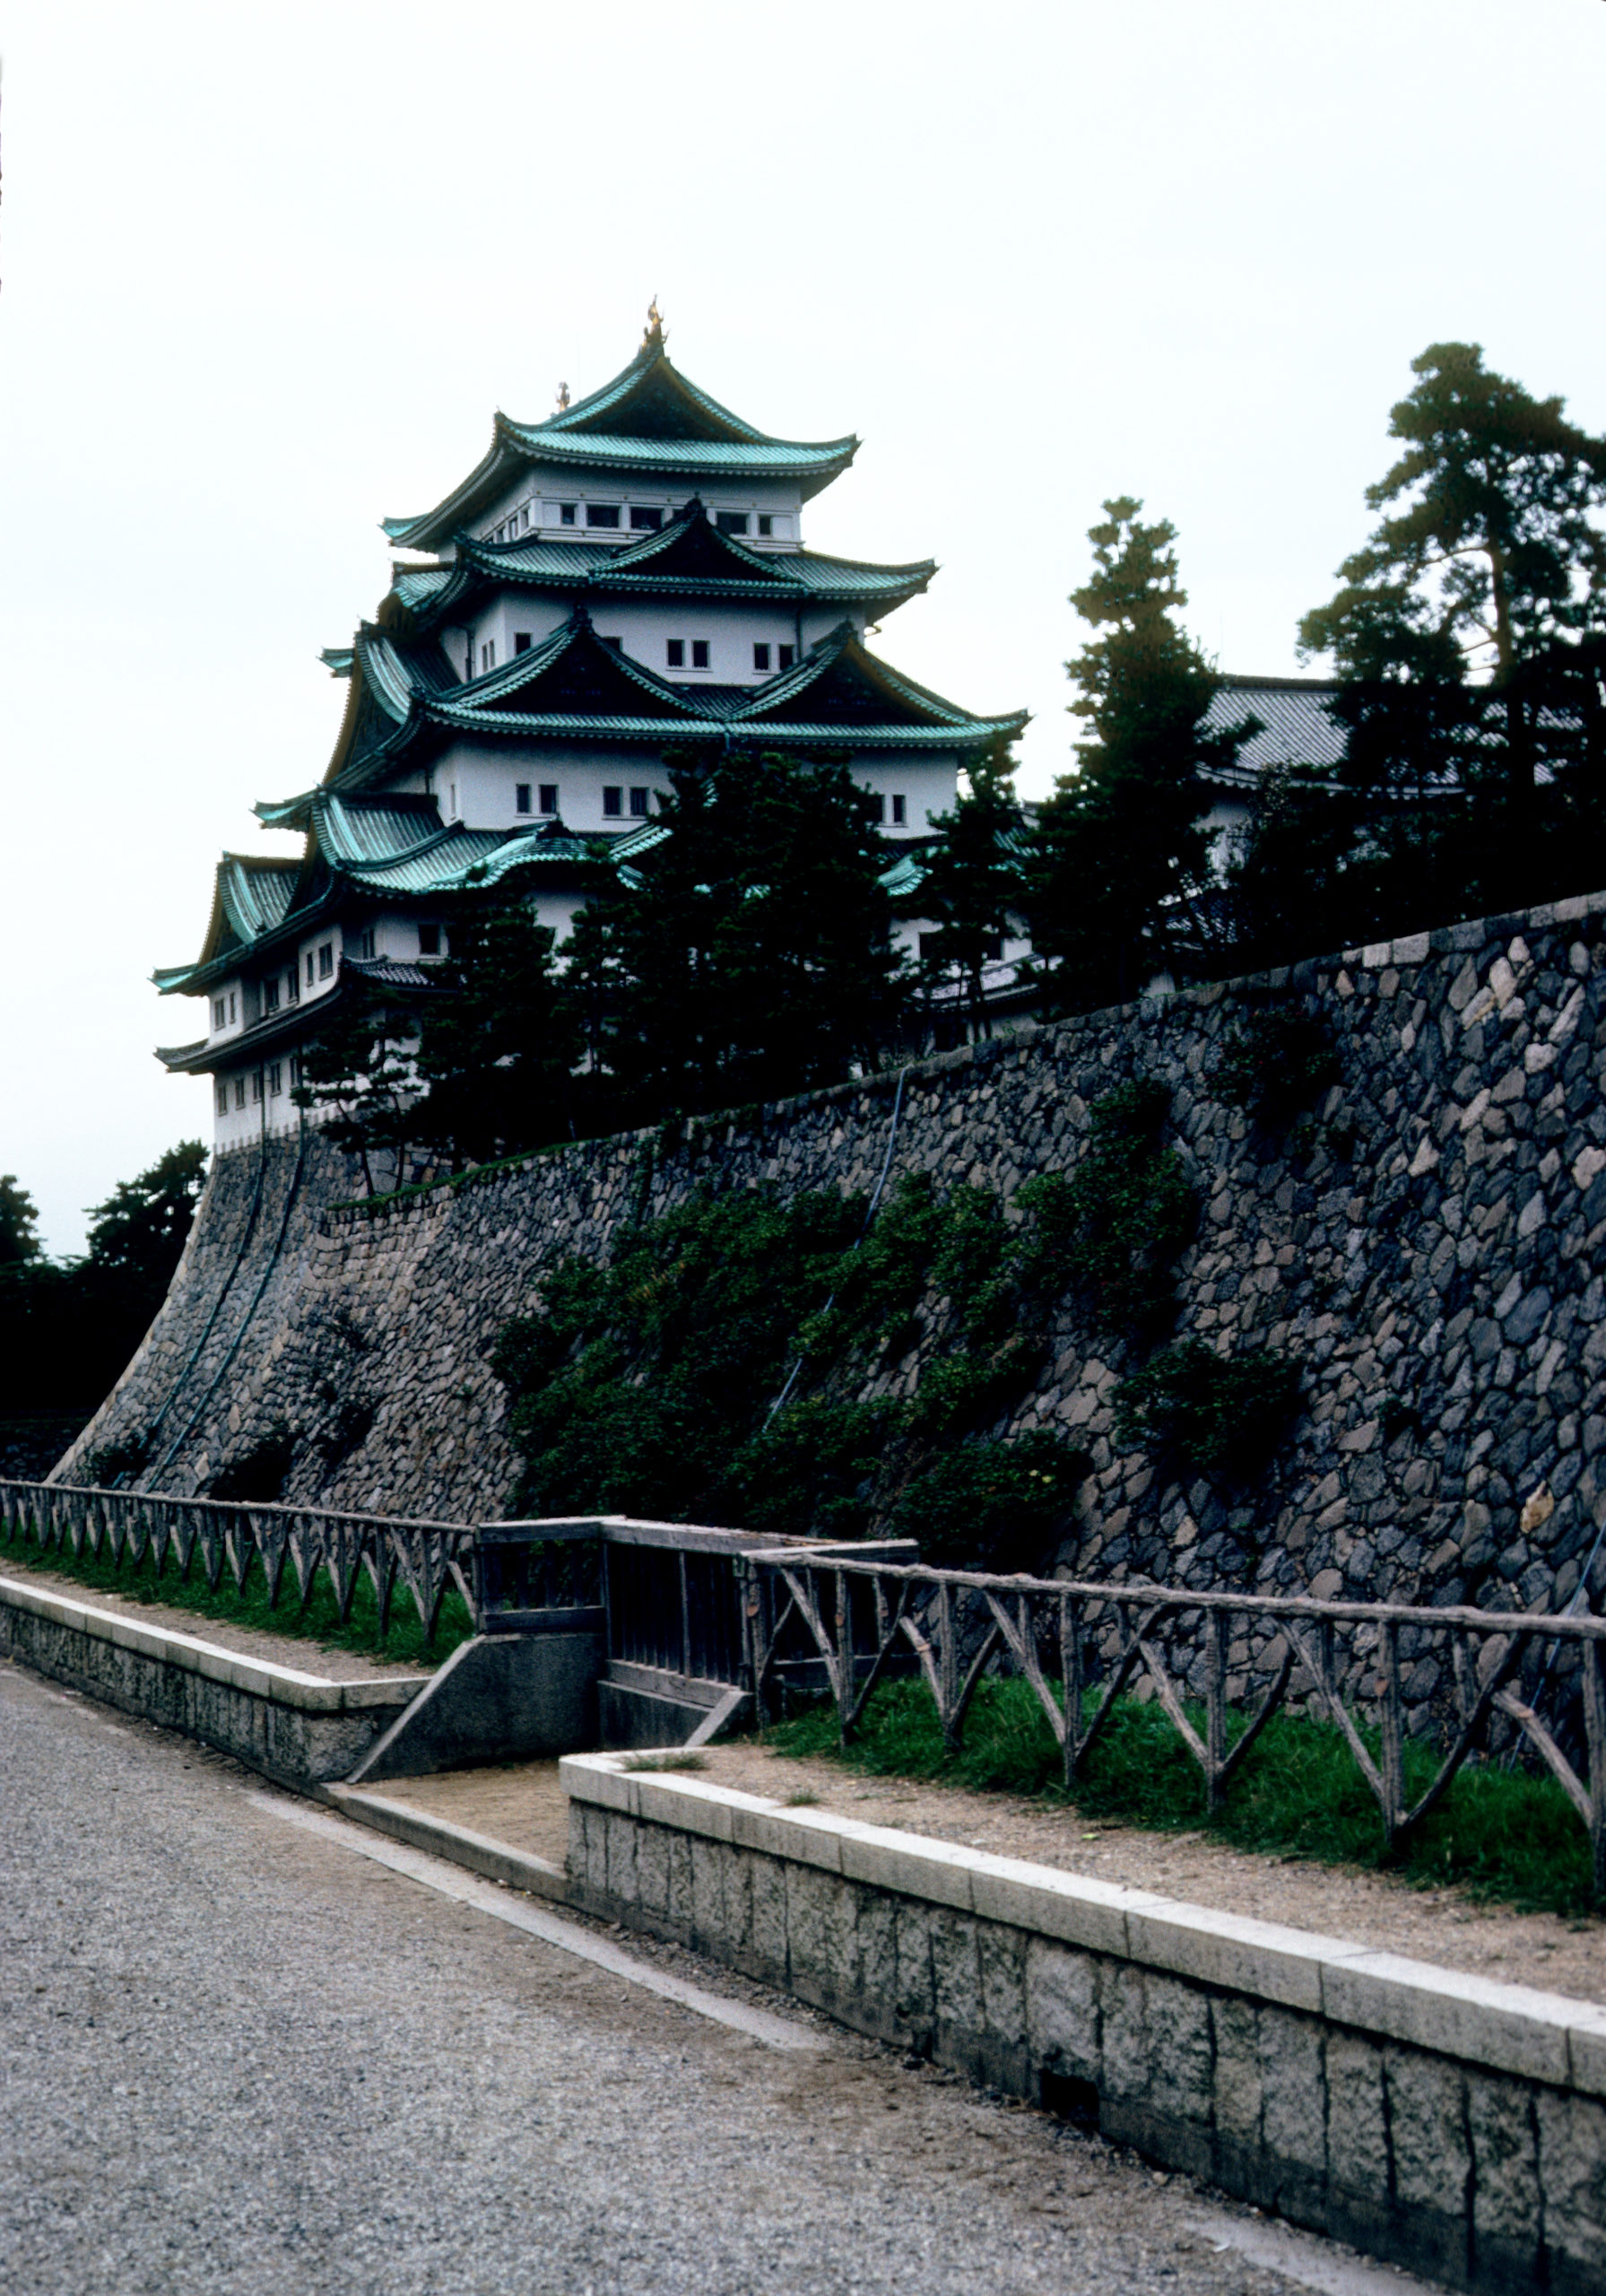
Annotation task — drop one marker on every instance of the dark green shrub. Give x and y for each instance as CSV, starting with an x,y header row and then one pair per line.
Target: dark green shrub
x,y
258,1473
1126,1214
992,1506
1223,1413
1277,1062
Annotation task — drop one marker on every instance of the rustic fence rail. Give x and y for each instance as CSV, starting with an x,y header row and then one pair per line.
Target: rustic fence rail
x,y
228,1535
1080,1645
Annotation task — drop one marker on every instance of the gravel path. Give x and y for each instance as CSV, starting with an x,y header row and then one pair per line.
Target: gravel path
x,y
240,2058
297,1650
1442,1926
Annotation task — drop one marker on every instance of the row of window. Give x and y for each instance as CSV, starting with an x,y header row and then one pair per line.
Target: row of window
x,y
643,518
321,966
765,656
269,1080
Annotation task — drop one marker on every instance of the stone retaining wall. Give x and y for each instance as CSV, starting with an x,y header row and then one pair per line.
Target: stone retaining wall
x,y
294,1727
1439,2120
1429,1248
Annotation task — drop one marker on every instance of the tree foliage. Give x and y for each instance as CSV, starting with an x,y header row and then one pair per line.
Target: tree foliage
x,y
497,1045
19,1223
747,953
971,887
1121,857
139,1231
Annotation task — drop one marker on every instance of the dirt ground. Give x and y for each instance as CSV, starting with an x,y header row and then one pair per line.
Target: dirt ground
x,y
297,1651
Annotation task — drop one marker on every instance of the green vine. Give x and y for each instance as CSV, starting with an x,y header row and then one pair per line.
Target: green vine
x,y
1225,1413
1275,1063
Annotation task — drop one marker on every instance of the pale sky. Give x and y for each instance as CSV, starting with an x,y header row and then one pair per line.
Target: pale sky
x,y
268,269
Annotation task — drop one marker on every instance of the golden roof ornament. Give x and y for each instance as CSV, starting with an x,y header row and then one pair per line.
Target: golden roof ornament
x,y
653,339
563,398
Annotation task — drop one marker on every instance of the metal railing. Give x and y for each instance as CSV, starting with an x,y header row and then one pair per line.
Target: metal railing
x,y
229,1535
1365,1667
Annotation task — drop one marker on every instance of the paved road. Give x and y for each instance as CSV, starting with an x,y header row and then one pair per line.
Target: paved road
x,y
240,2058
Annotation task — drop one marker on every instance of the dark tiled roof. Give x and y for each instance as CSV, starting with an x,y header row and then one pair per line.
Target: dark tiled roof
x,y
1296,729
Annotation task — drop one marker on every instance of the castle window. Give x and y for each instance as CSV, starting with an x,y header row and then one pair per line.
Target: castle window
x,y
269,995
766,524
292,987
523,517
256,1086
521,796
699,653
567,512
616,643
240,1092
878,806
900,810
326,960
731,522
521,641
276,1081
220,1011
787,655
233,1008
675,653
487,655
639,800
223,1096
309,969
365,945
612,803
429,940
646,521
602,513
760,658
549,797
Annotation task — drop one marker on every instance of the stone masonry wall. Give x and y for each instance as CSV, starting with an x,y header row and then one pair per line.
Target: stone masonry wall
x,y
1431,1253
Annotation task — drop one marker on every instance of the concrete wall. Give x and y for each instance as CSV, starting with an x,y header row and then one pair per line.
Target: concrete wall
x,y
292,1727
1431,1255
1442,2121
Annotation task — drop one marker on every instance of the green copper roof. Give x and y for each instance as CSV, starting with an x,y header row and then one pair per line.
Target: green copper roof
x,y
651,419
687,557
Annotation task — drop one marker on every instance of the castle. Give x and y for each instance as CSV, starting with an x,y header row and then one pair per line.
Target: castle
x,y
623,580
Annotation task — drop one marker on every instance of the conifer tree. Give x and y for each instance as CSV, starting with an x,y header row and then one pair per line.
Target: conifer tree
x,y
496,1046
747,953
1120,860
972,886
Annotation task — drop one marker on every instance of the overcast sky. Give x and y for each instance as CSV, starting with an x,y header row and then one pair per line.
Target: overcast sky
x,y
268,271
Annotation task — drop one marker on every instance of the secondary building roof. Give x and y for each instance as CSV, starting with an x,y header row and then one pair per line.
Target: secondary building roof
x,y
1295,729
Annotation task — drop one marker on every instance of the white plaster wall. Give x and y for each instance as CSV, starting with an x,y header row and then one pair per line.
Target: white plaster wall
x,y
539,490
929,786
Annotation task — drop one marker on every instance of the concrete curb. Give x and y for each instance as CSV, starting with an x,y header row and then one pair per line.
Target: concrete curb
x,y
497,1861
257,1677
1514,2029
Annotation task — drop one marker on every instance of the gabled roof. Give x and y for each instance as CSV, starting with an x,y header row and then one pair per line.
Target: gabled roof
x,y
687,557
250,896
1295,729
649,419
571,674
840,686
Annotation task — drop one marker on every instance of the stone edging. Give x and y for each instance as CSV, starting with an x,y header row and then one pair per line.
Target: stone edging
x,y
1510,2029
256,1677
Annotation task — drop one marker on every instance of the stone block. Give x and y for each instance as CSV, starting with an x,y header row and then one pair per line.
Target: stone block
x,y
1002,1952
769,1935
681,1903
652,1869
1062,2009
810,1909
1506,2213
1572,2176
1238,2087
938,1872
1125,2034
708,1891
1431,2167
1260,1958
1358,2157
619,1833
915,2002
1293,2054
956,1973
1502,2028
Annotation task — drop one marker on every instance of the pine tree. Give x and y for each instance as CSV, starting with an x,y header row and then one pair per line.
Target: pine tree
x,y
1120,859
748,951
971,889
19,1223
496,1046
357,1078
139,1230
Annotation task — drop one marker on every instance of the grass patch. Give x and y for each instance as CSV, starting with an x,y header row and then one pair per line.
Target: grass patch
x,y
316,1621
1502,1836
673,1760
